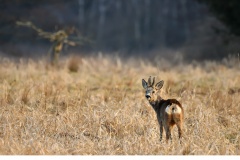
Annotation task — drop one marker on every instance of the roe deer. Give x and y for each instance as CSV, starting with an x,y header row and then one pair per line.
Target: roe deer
x,y
169,112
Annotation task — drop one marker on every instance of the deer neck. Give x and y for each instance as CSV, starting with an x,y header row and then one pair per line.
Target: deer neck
x,y
155,104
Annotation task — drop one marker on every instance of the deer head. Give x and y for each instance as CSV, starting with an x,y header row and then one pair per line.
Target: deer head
x,y
151,89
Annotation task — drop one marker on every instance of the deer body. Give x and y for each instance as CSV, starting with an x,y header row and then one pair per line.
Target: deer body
x,y
169,112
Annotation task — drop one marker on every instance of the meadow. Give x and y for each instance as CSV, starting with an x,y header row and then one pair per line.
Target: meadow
x,y
95,105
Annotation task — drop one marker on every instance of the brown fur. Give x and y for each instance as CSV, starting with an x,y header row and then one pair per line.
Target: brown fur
x,y
167,117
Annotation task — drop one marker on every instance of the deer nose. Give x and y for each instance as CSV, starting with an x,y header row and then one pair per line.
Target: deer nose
x,y
147,96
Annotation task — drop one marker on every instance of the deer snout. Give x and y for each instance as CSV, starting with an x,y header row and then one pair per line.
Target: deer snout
x,y
147,96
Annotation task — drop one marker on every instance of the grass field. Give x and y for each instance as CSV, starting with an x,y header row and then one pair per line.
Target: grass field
x,y
96,106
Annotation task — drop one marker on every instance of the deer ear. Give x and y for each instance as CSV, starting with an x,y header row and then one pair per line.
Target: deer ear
x,y
159,85
144,84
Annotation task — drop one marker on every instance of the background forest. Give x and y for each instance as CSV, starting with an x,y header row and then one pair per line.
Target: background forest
x,y
125,27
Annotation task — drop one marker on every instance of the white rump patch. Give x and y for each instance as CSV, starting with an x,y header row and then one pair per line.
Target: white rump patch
x,y
176,109
168,109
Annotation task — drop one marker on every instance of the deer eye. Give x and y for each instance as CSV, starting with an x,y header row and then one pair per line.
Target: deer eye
x,y
153,91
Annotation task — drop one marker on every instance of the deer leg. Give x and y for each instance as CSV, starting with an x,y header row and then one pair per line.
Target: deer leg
x,y
178,121
168,130
179,126
161,130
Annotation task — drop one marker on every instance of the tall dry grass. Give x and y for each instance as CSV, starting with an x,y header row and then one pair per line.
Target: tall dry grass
x,y
100,109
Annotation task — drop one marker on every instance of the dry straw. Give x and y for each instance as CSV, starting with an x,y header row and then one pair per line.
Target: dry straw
x,y
102,110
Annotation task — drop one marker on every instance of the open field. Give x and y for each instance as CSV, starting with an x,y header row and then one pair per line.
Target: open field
x,y
101,110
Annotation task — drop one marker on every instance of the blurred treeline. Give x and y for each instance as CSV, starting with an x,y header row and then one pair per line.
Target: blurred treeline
x,y
123,26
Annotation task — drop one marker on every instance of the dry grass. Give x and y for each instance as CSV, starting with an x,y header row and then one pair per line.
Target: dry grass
x,y
101,109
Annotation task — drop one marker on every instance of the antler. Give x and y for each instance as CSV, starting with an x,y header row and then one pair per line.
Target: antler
x,y
149,81
153,81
